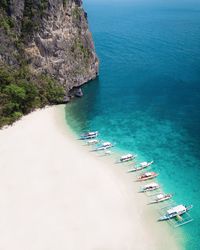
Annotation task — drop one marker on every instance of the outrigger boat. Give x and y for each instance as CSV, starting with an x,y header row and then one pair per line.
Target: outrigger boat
x,y
147,176
150,187
141,166
128,157
89,135
104,146
161,198
92,142
175,212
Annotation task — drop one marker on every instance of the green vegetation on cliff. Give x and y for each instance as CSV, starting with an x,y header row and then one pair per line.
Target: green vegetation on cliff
x,y
33,12
38,65
6,21
21,93
76,12
4,4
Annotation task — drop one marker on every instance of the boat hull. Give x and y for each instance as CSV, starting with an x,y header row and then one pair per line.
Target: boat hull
x,y
92,142
140,168
161,200
147,178
125,160
150,189
137,169
171,216
103,148
88,137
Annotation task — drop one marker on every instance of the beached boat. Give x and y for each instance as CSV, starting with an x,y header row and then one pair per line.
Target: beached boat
x,y
104,146
147,176
150,187
161,198
92,142
127,157
175,212
89,135
107,152
141,166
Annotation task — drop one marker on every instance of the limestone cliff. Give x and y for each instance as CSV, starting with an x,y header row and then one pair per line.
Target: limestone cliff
x,y
51,37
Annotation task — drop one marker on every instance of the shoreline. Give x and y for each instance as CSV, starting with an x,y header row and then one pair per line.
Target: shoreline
x,y
55,194
151,214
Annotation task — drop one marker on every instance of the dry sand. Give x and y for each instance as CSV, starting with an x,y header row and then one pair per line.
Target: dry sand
x,y
56,195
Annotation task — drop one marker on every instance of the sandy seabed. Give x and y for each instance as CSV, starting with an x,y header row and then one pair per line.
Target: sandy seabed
x,y
56,195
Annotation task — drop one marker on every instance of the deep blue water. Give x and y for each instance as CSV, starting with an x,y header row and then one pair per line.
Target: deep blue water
x,y
147,97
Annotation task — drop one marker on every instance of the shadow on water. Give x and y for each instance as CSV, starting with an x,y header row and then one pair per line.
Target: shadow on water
x,y
79,111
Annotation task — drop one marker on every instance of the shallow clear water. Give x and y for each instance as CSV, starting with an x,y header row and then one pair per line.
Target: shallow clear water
x,y
147,97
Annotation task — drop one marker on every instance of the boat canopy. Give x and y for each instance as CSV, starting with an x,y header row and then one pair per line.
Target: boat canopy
x,y
90,134
160,196
147,174
105,144
152,184
93,141
127,156
143,164
178,209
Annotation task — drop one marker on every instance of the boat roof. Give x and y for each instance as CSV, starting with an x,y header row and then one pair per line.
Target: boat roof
x,y
160,196
126,156
94,140
177,209
143,163
106,143
148,174
152,184
90,133
93,132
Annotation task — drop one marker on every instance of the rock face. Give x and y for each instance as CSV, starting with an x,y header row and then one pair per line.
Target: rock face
x,y
55,40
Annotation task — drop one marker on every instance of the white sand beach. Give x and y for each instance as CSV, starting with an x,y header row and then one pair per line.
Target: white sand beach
x,y
56,195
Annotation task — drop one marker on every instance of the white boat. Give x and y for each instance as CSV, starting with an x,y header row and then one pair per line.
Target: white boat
x,y
127,157
141,166
89,135
107,152
175,212
147,176
92,142
161,198
150,187
104,145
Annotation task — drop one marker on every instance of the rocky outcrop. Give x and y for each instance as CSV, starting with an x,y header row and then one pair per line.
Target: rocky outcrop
x,y
53,38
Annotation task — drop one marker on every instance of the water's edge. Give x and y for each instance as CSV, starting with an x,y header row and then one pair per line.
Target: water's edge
x,y
179,234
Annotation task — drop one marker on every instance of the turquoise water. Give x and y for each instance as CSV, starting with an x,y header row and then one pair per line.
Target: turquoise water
x,y
147,97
